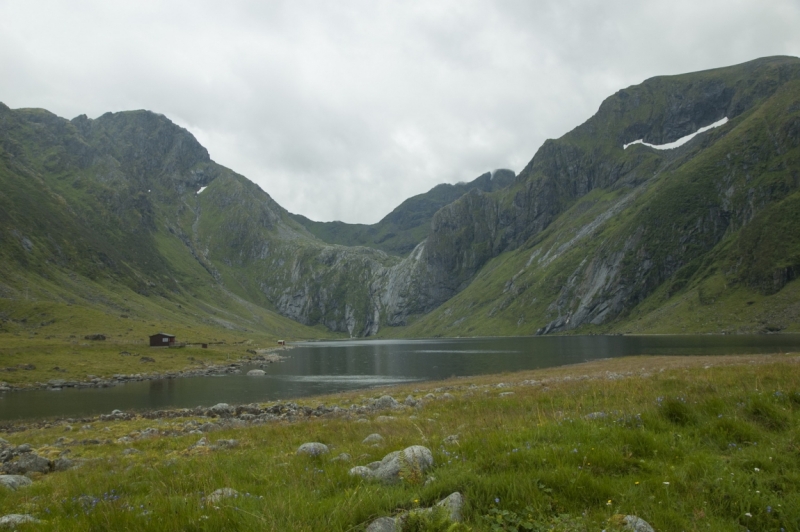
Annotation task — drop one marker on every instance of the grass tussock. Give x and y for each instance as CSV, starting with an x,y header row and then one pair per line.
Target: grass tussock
x,y
684,443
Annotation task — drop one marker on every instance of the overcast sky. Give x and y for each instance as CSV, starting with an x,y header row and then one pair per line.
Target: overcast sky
x,y
342,109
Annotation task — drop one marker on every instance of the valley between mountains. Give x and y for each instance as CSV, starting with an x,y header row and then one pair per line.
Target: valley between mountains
x,y
124,223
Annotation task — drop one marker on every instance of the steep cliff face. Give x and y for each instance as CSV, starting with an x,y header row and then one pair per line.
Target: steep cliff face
x,y
595,230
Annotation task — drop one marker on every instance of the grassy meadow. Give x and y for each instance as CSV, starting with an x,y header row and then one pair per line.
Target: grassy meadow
x,y
686,443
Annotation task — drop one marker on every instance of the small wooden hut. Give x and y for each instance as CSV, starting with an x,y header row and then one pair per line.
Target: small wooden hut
x,y
162,340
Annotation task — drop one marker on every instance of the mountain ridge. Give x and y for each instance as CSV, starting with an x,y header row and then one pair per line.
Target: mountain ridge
x,y
587,236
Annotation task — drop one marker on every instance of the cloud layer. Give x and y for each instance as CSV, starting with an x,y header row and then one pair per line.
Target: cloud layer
x,y
340,110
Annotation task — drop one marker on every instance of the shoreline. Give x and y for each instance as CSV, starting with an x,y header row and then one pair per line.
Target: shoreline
x,y
226,416
207,370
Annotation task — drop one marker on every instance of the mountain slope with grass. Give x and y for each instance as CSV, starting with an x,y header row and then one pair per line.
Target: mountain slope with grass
x,y
595,234
594,237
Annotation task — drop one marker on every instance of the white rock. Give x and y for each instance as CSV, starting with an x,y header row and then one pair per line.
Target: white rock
x,y
222,493
256,373
637,524
14,520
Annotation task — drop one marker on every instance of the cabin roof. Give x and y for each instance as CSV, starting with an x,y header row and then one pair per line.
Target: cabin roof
x,y
163,334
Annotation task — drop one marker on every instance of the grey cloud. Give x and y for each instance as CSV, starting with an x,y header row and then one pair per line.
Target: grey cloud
x,y
340,110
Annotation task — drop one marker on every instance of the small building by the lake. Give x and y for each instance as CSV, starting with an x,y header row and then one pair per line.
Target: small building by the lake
x,y
162,340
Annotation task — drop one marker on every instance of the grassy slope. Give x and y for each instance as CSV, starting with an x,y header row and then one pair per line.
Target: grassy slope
x,y
87,249
697,443
735,285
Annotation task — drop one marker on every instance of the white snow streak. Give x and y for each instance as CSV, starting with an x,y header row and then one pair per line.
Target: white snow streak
x,y
681,141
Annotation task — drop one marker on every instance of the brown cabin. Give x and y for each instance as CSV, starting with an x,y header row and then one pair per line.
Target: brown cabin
x,y
162,340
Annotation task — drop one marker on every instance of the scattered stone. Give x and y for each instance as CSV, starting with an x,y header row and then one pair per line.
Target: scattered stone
x,y
256,373
505,394
451,440
411,460
147,359
313,449
343,457
62,464
131,450
202,442
637,524
410,401
453,505
361,471
385,419
95,337
222,493
14,482
596,415
14,520
447,396
226,444
222,410
373,438
385,402
383,524
430,397
28,463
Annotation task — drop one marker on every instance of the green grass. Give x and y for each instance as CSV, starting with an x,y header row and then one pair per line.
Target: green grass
x,y
694,443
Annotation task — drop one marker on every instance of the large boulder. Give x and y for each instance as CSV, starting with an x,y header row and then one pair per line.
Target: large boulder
x,y
411,461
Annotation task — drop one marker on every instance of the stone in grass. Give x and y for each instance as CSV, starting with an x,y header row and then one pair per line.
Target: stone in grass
x,y
313,449
14,482
411,460
632,523
343,457
637,524
453,505
28,463
384,402
222,493
14,520
373,438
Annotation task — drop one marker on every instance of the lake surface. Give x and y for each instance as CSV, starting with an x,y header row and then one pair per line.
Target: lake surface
x,y
315,368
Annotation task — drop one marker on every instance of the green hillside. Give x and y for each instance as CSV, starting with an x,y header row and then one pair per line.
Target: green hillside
x,y
128,215
701,238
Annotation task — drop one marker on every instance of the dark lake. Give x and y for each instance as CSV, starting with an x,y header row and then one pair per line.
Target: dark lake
x,y
315,368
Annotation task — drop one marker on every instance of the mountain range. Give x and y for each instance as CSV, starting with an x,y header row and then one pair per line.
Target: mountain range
x,y
128,215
